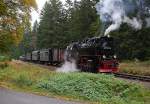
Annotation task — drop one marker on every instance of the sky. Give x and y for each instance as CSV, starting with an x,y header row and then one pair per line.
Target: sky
x,y
36,14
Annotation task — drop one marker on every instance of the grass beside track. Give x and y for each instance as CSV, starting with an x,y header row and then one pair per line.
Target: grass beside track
x,y
136,68
93,88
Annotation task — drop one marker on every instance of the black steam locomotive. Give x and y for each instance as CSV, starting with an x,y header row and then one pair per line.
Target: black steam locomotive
x,y
91,55
94,54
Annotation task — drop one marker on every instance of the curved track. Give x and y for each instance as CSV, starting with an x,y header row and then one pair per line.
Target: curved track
x,y
119,75
133,77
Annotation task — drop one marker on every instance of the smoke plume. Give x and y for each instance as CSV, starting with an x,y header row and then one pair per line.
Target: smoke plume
x,y
148,22
68,66
115,13
69,62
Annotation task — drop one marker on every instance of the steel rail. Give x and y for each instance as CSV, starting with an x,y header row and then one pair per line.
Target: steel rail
x,y
133,77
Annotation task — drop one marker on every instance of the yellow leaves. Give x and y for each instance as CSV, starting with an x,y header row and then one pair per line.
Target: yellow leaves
x,y
17,34
5,40
3,7
13,24
8,20
29,3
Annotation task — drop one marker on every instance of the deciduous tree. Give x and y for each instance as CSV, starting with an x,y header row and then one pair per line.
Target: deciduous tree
x,y
14,18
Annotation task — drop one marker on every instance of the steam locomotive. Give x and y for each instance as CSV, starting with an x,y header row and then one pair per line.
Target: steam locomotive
x,y
91,55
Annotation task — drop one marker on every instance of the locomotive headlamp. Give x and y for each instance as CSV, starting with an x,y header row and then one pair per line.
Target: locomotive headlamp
x,y
115,56
104,56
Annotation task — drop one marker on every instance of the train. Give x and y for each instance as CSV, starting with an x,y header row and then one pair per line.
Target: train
x,y
96,55
52,56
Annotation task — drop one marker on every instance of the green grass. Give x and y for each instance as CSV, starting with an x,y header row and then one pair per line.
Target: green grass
x,y
4,58
4,61
103,89
137,68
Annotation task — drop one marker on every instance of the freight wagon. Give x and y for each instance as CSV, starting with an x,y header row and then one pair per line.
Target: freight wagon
x,y
45,56
35,56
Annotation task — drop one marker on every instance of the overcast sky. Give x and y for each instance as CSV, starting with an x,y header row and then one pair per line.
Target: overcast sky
x,y
35,15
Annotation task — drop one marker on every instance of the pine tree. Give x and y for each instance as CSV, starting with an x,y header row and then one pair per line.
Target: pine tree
x,y
34,34
83,16
51,28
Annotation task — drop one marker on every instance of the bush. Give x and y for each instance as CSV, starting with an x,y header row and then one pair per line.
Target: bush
x,y
101,88
4,58
4,61
104,89
23,80
3,65
4,72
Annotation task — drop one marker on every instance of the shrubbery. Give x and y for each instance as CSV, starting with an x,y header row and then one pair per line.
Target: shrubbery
x,y
3,65
4,61
23,79
93,87
104,89
4,58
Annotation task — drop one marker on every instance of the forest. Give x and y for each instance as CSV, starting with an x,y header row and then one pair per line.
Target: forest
x,y
60,24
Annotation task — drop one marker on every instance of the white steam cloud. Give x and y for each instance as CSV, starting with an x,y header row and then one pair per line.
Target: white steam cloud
x,y
68,66
114,11
147,22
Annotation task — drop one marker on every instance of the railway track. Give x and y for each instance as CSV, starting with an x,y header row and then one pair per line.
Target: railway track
x,y
133,77
119,75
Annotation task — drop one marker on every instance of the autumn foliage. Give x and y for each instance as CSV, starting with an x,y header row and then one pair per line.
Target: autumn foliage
x,y
14,18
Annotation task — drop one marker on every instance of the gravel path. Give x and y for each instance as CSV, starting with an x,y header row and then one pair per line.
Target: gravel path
x,y
12,97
